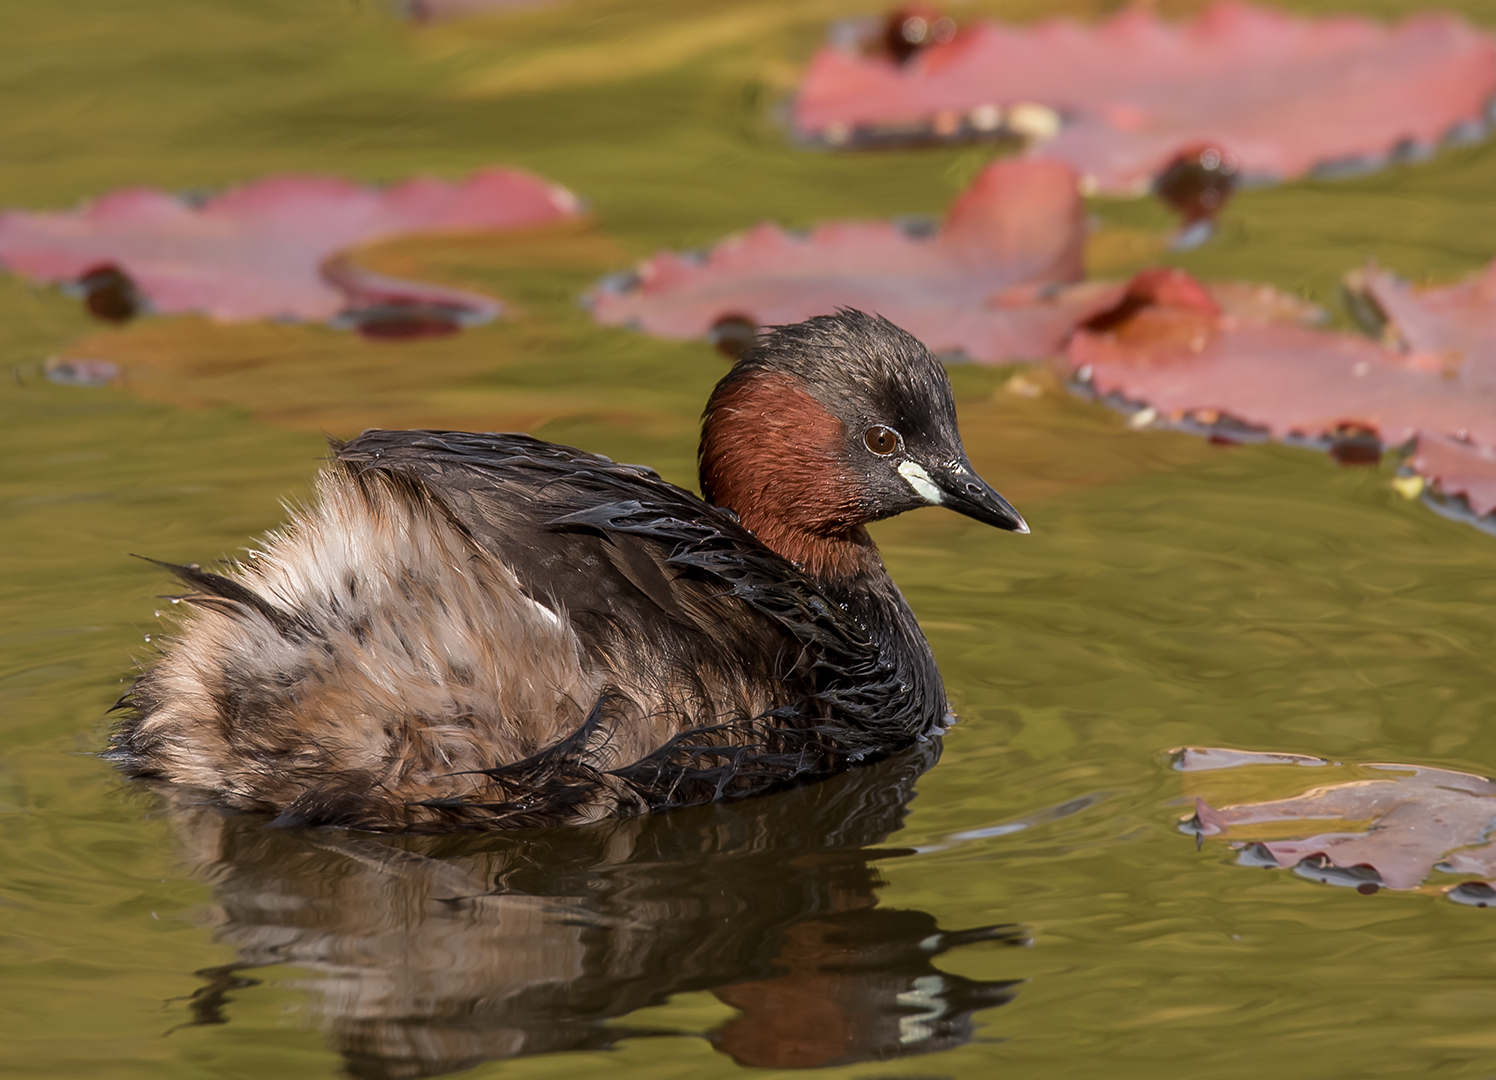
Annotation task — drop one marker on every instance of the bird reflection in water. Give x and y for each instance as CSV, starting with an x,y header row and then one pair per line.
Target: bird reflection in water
x,y
428,955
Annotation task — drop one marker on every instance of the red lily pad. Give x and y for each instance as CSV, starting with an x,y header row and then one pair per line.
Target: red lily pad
x,y
1240,371
1124,97
984,283
270,249
1392,827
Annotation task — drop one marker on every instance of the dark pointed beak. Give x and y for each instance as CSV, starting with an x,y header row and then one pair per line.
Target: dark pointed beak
x,y
967,493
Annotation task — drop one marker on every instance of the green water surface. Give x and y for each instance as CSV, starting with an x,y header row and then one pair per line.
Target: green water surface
x,y
1172,593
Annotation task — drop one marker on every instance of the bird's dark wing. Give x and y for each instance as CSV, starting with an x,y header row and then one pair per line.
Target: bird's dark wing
x,y
706,633
594,539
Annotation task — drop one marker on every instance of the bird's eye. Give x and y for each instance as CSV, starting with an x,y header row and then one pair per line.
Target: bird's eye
x,y
881,440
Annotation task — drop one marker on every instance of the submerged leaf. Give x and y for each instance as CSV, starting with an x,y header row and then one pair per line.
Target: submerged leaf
x,y
81,372
269,249
1400,824
1210,758
1282,94
983,284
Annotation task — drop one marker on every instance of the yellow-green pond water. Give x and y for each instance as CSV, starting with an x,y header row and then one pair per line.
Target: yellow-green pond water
x,y
1172,593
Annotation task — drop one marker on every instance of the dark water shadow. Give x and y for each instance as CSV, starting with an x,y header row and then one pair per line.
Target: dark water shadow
x,y
431,955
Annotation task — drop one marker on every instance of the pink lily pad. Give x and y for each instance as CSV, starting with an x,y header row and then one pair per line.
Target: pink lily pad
x,y
1195,360
1408,820
1456,322
1282,94
1458,468
983,284
270,249
1450,329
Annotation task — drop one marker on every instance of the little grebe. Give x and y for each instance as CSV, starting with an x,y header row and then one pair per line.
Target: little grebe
x,y
487,631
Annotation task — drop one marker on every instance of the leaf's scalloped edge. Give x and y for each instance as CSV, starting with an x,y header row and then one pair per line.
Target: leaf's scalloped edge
x,y
1455,507
1219,426
1477,894
1472,892
1036,124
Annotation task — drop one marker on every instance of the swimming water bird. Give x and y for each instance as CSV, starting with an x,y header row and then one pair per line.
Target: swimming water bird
x,y
484,631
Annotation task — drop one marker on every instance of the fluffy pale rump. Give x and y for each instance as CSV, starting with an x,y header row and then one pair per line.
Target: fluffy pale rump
x,y
371,663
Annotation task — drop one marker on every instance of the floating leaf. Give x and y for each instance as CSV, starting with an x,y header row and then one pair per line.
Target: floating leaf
x,y
1239,370
1282,94
1449,329
984,283
1391,828
299,375
1460,468
1456,322
270,249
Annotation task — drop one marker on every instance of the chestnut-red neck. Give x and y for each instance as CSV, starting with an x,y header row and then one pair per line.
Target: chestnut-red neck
x,y
774,456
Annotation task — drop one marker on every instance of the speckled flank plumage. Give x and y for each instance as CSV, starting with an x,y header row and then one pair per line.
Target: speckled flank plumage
x,y
384,652
482,631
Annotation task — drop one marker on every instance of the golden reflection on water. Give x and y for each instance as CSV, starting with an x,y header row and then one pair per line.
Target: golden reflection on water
x,y
1172,593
